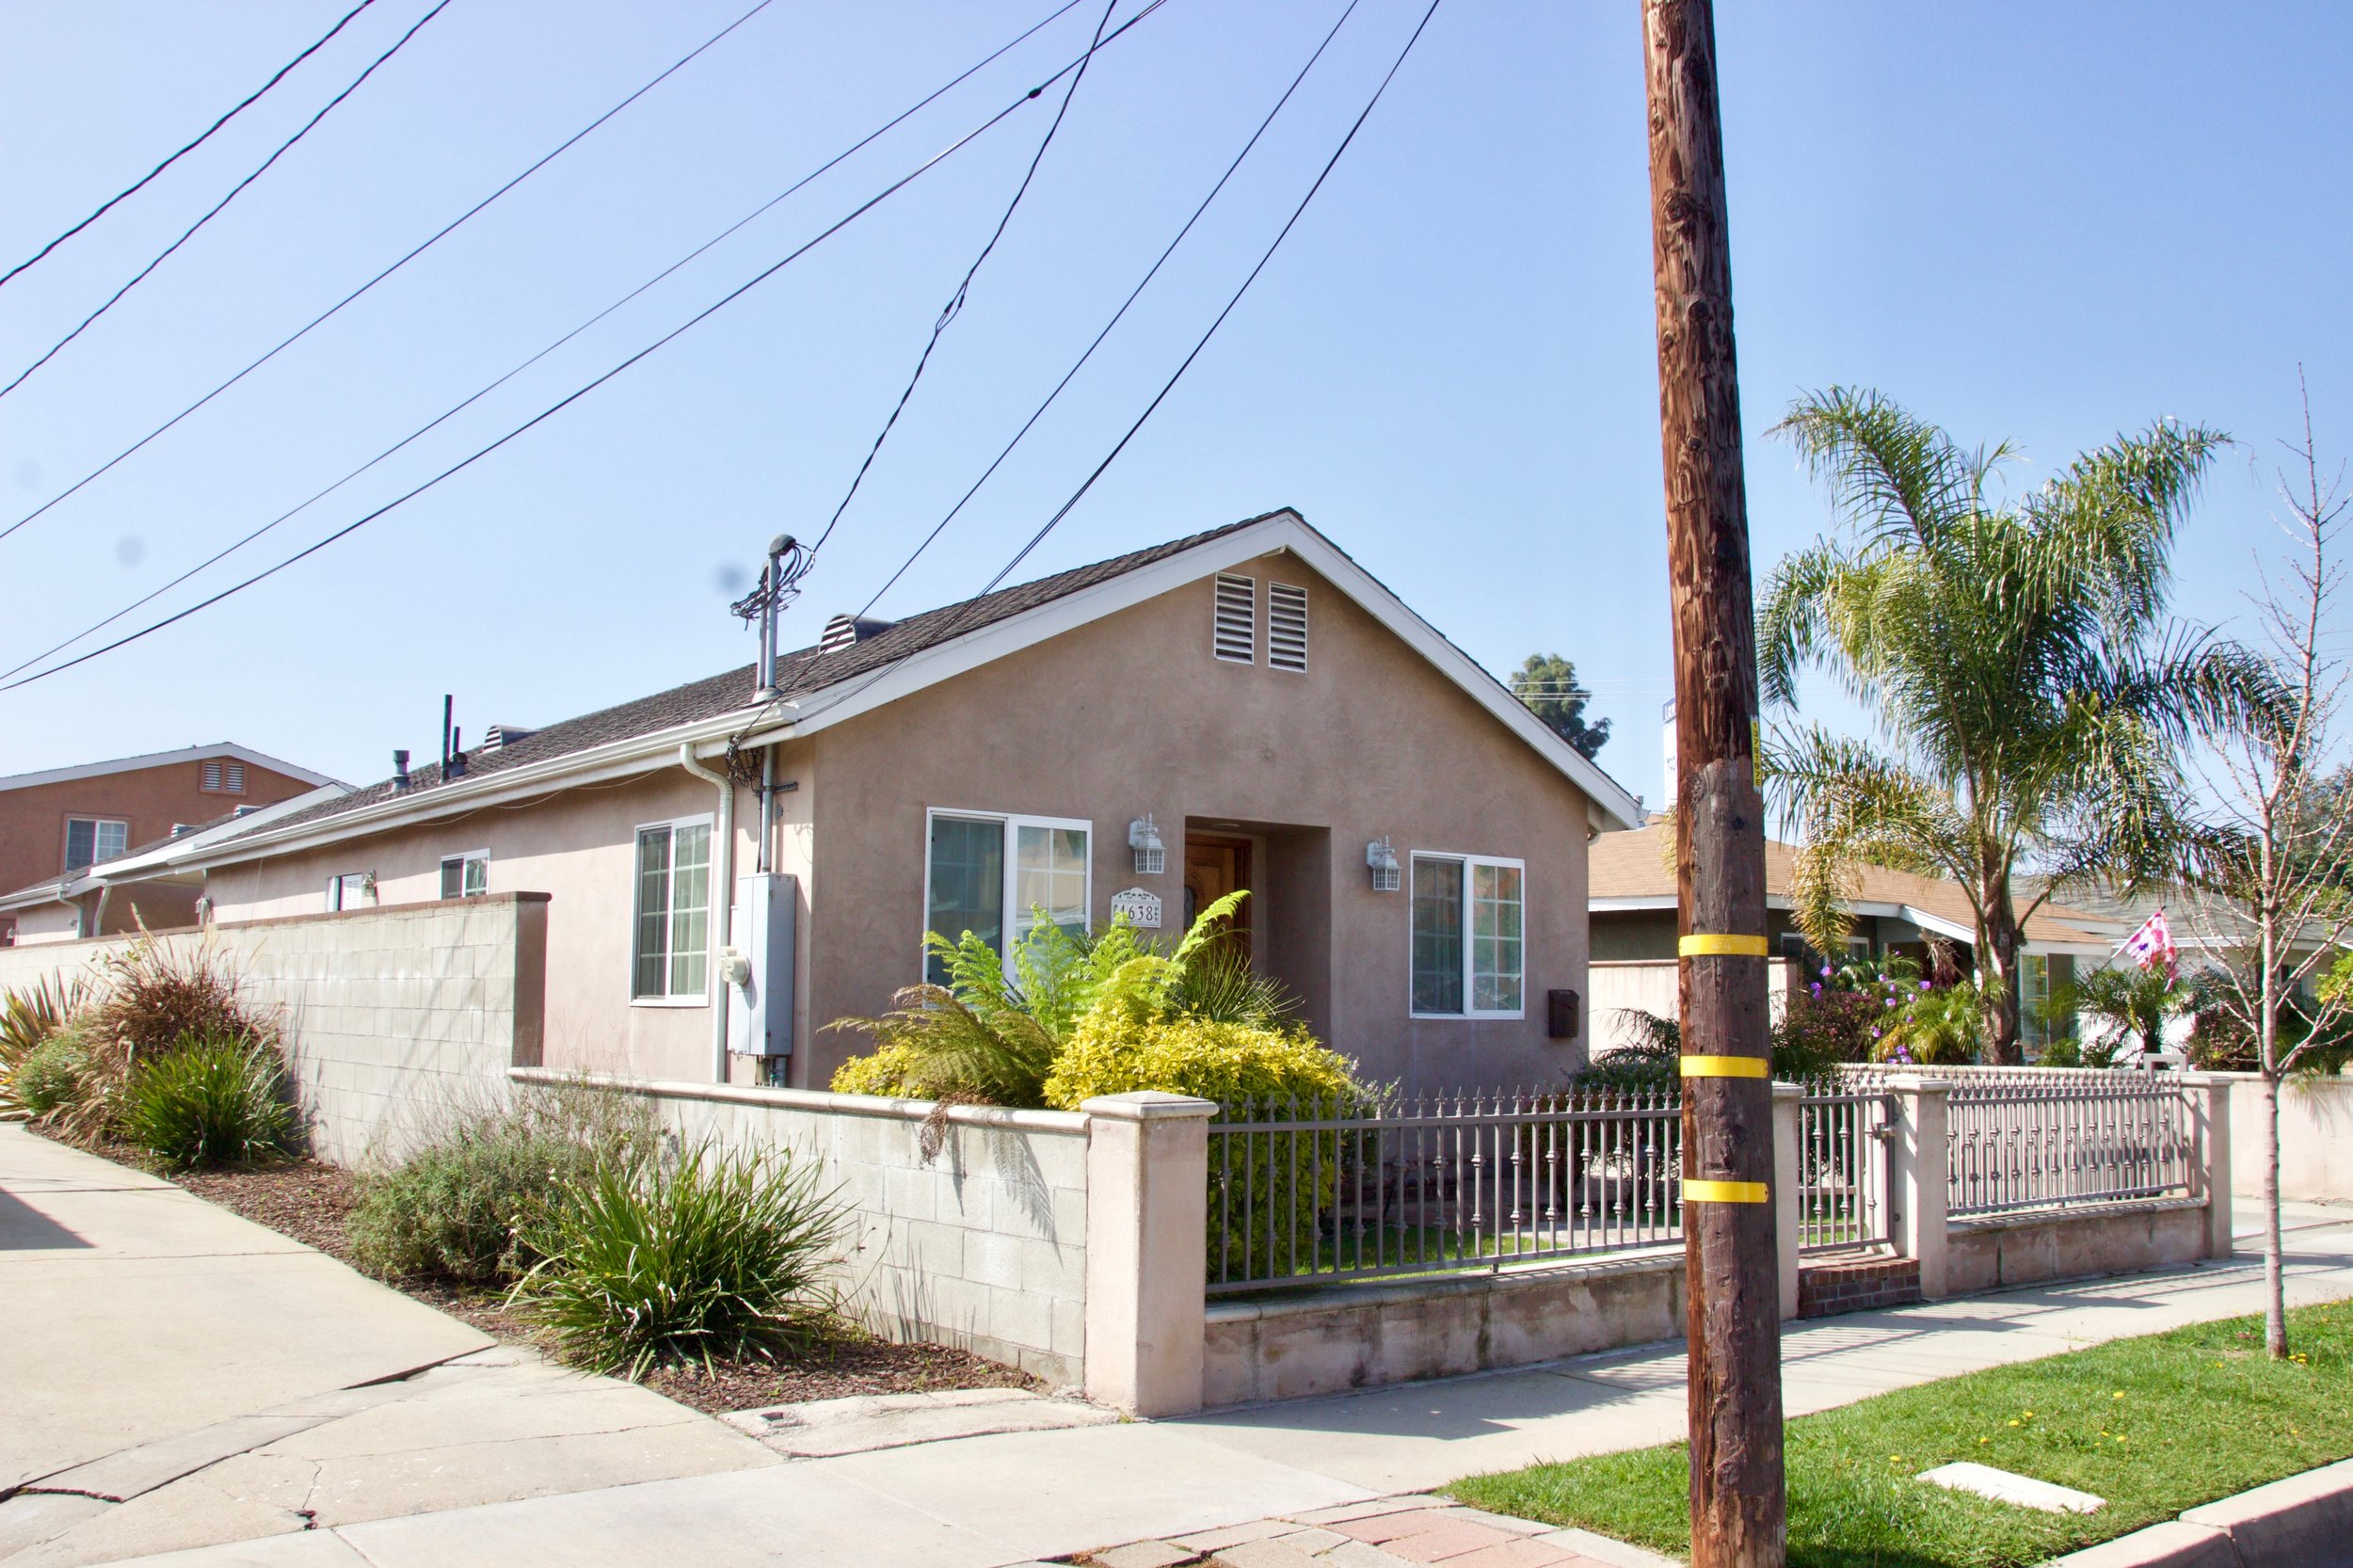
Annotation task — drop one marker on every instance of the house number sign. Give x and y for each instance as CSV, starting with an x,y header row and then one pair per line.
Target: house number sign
x,y
1142,909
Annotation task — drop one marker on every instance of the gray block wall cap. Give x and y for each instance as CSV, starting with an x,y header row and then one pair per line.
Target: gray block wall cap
x,y
1919,1083
1148,1105
1787,1091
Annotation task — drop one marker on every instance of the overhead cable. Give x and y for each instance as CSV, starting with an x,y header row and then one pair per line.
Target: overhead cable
x,y
963,287
1170,385
574,396
1112,455
1134,293
475,396
137,186
233,191
431,240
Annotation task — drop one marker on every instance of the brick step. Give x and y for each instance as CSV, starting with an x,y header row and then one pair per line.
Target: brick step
x,y
1858,1284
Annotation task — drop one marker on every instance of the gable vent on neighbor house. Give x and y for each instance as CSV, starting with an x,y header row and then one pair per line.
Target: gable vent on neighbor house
x,y
1285,626
1234,627
842,631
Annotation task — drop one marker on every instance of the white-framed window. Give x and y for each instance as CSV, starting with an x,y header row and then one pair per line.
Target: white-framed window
x,y
669,960
90,839
223,776
978,866
464,875
1234,623
1287,627
350,891
1469,936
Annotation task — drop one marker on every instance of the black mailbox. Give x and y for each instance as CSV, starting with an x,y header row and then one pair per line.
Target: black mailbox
x,y
1561,1014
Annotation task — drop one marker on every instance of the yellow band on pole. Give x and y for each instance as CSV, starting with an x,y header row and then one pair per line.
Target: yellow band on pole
x,y
1726,1066
1720,944
1724,1191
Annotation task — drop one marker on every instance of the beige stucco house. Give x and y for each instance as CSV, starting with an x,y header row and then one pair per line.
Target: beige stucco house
x,y
1246,708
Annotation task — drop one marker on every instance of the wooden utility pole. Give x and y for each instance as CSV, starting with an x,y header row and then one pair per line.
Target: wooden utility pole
x,y
1738,1505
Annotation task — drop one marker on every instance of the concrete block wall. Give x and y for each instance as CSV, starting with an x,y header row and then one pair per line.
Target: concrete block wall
x,y
393,1016
2316,1137
983,1246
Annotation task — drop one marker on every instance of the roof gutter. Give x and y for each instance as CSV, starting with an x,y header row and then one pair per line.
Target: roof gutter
x,y
722,898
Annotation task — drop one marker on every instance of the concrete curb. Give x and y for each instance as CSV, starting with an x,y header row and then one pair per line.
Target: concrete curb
x,y
2305,1519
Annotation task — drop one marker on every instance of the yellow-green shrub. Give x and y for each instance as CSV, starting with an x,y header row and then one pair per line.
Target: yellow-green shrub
x,y
1267,1195
890,1071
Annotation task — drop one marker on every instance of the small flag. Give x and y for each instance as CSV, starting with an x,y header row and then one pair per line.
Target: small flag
x,y
2152,943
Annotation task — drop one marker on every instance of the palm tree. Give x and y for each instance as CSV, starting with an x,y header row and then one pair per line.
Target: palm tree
x,y
2029,693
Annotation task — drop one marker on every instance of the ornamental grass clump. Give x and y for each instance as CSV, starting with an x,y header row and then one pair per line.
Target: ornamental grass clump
x,y
209,1103
704,1256
466,1204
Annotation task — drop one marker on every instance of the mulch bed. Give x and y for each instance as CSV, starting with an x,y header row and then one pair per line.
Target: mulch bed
x,y
313,1203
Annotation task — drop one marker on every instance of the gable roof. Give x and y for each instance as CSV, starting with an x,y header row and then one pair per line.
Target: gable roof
x,y
163,760
143,862
818,687
1624,870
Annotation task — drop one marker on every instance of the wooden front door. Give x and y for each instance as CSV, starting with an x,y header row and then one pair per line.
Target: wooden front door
x,y
1215,867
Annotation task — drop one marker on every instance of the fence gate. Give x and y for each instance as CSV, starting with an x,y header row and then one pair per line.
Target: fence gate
x,y
1843,1128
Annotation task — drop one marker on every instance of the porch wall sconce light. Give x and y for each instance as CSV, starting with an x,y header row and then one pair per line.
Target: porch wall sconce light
x,y
1144,839
1382,859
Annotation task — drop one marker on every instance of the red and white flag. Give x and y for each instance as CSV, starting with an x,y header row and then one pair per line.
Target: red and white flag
x,y
2152,943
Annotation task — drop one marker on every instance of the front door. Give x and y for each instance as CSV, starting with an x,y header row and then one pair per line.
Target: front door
x,y
1215,867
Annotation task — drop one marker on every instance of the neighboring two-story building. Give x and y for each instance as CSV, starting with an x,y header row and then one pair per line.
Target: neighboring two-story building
x,y
57,823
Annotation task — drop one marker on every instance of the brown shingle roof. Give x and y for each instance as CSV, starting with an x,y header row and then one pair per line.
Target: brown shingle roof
x,y
1629,865
799,674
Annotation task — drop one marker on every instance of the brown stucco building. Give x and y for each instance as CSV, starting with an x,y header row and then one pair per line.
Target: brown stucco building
x,y
1246,708
57,823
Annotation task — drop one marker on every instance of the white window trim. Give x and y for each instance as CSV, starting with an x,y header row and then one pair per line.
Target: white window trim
x,y
1011,822
484,856
628,965
1466,861
96,823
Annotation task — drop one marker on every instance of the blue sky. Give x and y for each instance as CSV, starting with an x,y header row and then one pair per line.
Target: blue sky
x,y
2046,223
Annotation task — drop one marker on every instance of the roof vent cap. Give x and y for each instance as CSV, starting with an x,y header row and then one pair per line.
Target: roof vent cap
x,y
842,631
505,735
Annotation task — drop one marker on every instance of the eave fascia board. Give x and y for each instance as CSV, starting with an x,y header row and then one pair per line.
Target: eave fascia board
x,y
639,754
1284,530
159,759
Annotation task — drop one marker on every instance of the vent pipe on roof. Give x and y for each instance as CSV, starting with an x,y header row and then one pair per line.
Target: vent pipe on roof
x,y
779,585
400,770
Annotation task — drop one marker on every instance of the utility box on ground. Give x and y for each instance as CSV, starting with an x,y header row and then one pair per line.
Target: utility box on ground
x,y
760,1015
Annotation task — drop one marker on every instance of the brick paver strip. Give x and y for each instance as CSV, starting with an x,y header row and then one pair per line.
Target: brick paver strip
x,y
1447,1540
1144,1554
1366,1511
1235,1535
1498,1521
1519,1552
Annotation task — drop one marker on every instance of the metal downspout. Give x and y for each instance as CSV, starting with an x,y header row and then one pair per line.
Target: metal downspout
x,y
721,896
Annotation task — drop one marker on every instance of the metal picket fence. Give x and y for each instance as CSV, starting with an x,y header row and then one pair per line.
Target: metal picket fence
x,y
1844,1130
2041,1138
1305,1194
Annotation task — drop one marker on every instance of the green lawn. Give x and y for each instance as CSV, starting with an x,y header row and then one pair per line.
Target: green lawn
x,y
2156,1425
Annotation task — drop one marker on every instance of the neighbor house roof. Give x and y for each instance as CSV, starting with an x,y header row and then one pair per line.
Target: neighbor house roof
x,y
820,686
1627,870
164,759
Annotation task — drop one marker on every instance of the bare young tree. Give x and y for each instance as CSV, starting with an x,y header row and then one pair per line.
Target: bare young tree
x,y
2270,877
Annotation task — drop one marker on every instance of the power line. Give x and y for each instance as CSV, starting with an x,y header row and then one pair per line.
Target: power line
x,y
138,184
956,301
1133,295
574,396
490,387
1064,511
1170,385
233,191
430,241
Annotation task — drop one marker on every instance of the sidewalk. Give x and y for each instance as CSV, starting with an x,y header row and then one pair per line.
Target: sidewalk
x,y
985,1502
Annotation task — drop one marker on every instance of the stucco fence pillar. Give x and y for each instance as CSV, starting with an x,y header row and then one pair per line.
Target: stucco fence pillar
x,y
1789,1189
1147,1250
1919,1158
2209,1102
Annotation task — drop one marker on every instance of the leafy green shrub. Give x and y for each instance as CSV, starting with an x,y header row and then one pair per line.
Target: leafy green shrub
x,y
49,1078
1651,1063
27,1019
1266,1197
1935,1026
466,1204
209,1102
709,1256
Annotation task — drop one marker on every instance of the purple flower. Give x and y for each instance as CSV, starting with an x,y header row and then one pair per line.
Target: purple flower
x,y
1816,987
1904,1053
1826,971
1891,1001
1923,985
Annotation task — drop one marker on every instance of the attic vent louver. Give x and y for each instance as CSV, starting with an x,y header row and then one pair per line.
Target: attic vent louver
x,y
505,735
1285,626
842,631
1234,627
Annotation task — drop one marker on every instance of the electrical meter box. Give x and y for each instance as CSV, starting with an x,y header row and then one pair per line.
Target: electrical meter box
x,y
759,1008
